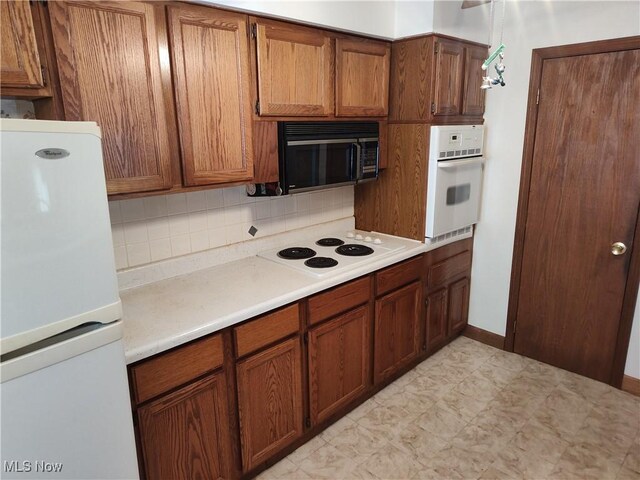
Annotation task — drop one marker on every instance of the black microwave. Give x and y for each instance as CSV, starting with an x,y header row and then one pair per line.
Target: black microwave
x,y
314,155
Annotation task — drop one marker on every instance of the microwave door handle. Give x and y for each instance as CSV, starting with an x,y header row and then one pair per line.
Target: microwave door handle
x,y
449,164
358,151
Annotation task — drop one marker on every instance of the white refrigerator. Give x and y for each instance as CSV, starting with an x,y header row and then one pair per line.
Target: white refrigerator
x,y
64,399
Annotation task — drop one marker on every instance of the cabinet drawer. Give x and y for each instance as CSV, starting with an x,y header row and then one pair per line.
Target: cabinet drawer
x,y
449,268
265,330
169,370
398,275
339,299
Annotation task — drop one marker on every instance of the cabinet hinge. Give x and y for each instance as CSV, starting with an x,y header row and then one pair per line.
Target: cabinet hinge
x,y
515,324
307,422
538,97
435,48
43,71
305,338
254,30
257,106
433,108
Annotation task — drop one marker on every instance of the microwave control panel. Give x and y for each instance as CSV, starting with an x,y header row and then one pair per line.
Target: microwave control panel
x,y
368,158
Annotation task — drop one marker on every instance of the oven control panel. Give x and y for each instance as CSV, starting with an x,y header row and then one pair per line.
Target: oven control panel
x,y
456,141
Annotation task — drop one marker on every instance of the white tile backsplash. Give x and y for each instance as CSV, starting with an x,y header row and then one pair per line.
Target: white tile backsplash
x,y
156,228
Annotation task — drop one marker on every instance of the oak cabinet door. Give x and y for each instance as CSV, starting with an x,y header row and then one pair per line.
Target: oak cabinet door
x,y
109,61
295,70
339,359
185,434
362,77
447,94
20,59
210,53
436,318
269,401
458,305
473,96
397,330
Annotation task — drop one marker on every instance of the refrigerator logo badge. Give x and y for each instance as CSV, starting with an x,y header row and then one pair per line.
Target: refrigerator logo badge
x,y
52,153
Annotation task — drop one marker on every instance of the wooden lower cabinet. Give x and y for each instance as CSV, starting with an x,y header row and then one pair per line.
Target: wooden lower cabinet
x,y
436,318
270,404
185,434
185,398
339,362
447,281
397,330
458,311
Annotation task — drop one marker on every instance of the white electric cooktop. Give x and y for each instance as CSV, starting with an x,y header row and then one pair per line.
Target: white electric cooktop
x,y
335,253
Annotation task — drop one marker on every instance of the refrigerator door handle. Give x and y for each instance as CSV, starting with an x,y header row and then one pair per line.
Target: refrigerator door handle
x,y
60,347
105,314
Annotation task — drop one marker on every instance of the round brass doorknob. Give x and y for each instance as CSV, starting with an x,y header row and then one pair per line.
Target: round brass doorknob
x,y
618,248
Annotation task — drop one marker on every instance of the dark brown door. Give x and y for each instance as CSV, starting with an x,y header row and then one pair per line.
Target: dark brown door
x,y
583,197
185,434
436,318
473,95
447,92
458,311
114,71
397,331
269,401
210,52
339,360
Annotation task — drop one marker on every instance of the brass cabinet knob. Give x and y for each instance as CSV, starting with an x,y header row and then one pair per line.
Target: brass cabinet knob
x,y
618,248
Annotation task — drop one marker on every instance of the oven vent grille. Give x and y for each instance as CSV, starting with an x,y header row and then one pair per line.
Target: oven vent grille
x,y
450,237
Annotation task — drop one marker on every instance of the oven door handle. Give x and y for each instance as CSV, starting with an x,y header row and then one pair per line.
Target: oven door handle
x,y
449,164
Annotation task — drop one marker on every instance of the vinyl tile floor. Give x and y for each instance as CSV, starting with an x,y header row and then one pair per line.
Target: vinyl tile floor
x,y
471,411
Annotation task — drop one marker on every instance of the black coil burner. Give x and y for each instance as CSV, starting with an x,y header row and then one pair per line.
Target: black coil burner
x,y
321,262
329,242
354,250
296,253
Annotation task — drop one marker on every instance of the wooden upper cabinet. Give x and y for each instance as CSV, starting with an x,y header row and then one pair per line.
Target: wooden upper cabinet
x,y
211,69
20,59
185,434
294,70
110,58
473,95
449,64
362,77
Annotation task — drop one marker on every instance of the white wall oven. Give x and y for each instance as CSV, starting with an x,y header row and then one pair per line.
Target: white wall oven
x,y
454,183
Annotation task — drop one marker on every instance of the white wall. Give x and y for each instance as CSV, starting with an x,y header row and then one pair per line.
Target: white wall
x,y
413,17
528,25
364,16
382,18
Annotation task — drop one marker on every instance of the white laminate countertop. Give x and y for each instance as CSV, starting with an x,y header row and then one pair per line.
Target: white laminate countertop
x,y
162,315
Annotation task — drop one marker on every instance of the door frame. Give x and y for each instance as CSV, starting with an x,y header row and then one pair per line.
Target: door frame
x,y
633,275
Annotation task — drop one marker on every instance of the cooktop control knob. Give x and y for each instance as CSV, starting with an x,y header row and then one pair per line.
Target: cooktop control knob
x,y
368,239
350,235
377,241
358,237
